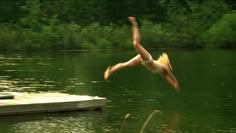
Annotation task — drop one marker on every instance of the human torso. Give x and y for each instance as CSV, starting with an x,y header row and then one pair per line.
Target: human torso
x,y
154,67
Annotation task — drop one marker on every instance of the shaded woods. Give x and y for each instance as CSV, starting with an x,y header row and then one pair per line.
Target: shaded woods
x,y
38,25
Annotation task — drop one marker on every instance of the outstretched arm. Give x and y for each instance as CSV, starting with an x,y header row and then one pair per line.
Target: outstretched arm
x,y
167,75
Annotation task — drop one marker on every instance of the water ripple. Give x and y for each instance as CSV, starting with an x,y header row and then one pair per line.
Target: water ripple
x,y
60,124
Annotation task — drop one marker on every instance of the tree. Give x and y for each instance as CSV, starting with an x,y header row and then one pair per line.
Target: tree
x,y
10,10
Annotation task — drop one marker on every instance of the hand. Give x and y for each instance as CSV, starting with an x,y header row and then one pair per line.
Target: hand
x,y
176,86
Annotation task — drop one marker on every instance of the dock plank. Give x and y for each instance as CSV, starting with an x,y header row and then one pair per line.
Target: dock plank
x,y
48,102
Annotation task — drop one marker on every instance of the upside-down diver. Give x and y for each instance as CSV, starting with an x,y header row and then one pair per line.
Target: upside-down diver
x,y
161,65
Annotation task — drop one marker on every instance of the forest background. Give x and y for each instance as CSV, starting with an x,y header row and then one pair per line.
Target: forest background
x,y
39,25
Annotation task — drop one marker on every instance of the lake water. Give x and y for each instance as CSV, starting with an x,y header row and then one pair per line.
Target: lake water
x,y
206,103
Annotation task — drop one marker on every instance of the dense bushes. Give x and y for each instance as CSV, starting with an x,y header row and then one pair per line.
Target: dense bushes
x,y
223,33
8,38
39,26
65,36
96,36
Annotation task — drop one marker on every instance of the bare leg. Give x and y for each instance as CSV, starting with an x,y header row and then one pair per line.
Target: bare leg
x,y
136,40
131,63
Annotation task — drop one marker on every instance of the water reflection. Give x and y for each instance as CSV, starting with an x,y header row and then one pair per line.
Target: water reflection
x,y
81,122
155,122
23,73
27,84
170,126
206,102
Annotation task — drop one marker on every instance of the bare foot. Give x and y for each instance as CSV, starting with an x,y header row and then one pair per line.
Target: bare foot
x,y
132,20
107,73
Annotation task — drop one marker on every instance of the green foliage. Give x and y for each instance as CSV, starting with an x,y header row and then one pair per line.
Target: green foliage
x,y
188,22
33,15
97,36
91,24
120,36
92,36
47,39
68,34
8,38
223,32
153,35
10,10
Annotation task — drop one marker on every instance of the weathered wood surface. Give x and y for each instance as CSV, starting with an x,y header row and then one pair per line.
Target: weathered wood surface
x,y
23,103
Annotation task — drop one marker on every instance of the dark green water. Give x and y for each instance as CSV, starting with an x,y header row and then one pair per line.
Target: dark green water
x,y
206,103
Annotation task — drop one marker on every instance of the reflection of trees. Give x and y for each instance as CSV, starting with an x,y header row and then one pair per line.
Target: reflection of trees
x,y
168,126
171,124
86,71
21,72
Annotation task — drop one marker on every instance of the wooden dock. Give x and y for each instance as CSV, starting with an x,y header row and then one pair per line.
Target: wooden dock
x,y
12,103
